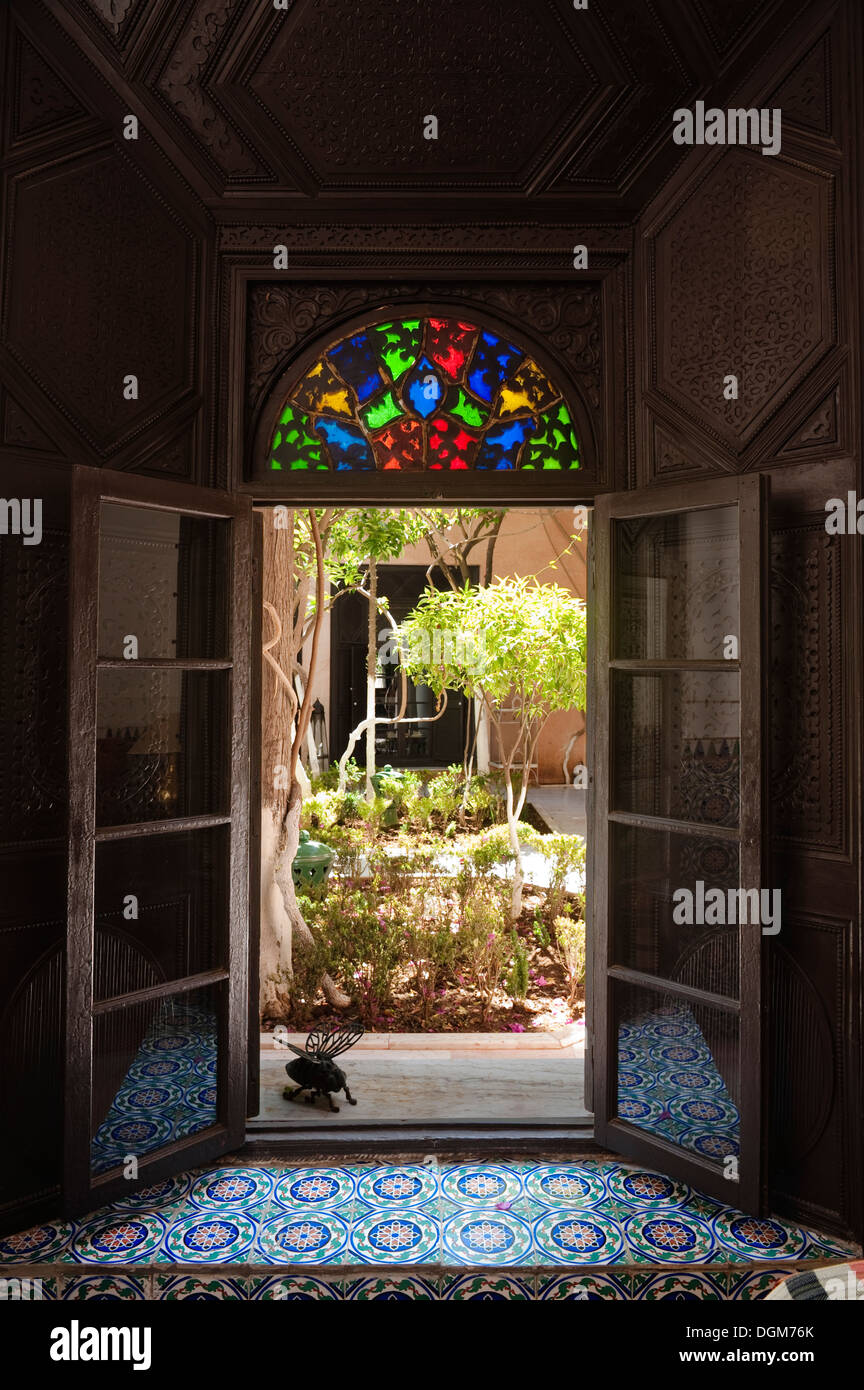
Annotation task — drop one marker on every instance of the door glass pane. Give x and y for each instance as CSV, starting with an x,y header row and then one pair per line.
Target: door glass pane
x,y
676,585
676,739
155,1075
162,744
163,580
678,1070
672,897
161,909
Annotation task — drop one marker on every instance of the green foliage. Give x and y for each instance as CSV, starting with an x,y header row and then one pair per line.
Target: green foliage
x,y
516,635
570,941
483,945
516,982
566,856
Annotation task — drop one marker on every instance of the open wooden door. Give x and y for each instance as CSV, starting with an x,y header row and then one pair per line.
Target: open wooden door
x,y
159,844
675,704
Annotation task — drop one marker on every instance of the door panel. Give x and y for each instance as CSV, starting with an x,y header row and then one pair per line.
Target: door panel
x,y
676,798
159,873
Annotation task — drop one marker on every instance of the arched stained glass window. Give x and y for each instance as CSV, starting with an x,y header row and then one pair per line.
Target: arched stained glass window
x,y
424,393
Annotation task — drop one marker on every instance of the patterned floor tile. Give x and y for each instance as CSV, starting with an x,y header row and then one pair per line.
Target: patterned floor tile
x,y
39,1244
157,1195
583,1287
754,1284
231,1188
565,1185
171,1288
408,1186
485,1237
758,1238
224,1236
302,1238
287,1288
676,1285
105,1287
315,1189
400,1235
578,1237
674,1236
644,1190
480,1184
121,1238
489,1288
392,1289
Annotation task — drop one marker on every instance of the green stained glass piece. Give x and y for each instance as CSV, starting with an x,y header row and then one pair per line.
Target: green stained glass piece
x,y
397,346
467,408
294,445
381,411
553,444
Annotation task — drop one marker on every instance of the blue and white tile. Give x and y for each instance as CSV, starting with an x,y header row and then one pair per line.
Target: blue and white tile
x,y
396,1235
675,1236
217,1237
198,1288
480,1184
677,1285
393,1289
565,1185
166,1193
577,1237
486,1237
105,1288
315,1189
583,1288
39,1244
120,1238
231,1188
488,1288
295,1237
758,1238
287,1288
644,1189
411,1185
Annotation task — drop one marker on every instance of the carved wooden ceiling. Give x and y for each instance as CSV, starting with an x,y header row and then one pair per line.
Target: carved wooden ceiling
x,y
326,100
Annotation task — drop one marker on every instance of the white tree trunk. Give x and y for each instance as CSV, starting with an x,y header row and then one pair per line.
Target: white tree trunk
x,y
371,663
513,813
482,753
275,966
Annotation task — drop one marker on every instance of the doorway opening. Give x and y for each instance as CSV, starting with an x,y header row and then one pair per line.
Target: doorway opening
x,y
441,872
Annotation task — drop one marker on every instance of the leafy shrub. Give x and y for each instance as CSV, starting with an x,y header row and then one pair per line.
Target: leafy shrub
x,y
483,944
516,981
566,855
570,940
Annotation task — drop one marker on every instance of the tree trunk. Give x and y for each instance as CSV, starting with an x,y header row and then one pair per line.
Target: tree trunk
x,y
513,833
371,663
281,920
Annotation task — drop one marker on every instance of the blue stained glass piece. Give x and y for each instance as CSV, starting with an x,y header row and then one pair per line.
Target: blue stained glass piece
x,y
356,363
501,445
348,445
493,360
422,389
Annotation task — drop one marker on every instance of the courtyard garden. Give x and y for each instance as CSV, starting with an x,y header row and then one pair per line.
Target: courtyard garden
x,y
415,920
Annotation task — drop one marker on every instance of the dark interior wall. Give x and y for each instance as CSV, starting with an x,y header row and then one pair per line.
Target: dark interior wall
x,y
750,265
154,258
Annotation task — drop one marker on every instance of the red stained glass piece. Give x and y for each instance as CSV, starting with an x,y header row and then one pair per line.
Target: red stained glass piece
x,y
449,345
399,445
451,445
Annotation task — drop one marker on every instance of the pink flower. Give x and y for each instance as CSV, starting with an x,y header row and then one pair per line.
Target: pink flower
x,y
540,981
516,1028
503,1206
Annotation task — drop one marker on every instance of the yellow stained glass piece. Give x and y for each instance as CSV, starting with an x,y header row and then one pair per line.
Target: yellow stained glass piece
x,y
528,389
321,391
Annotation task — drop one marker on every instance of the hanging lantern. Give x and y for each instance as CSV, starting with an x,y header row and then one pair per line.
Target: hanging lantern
x,y
312,862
